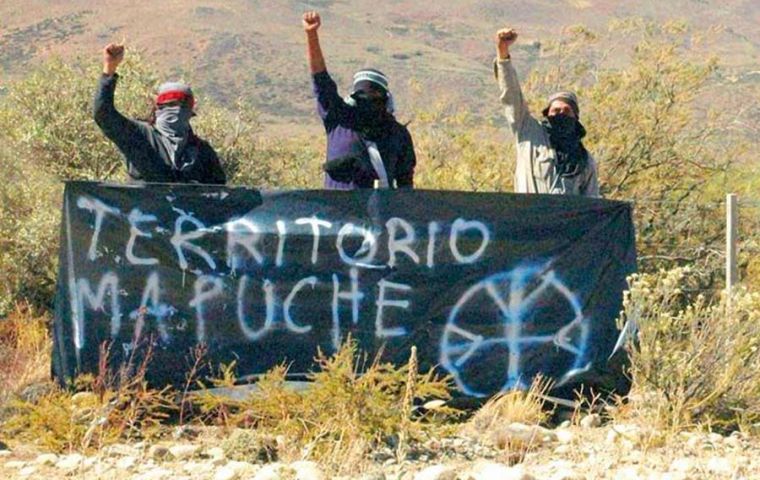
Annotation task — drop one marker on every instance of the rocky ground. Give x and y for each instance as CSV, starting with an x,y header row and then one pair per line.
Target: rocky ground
x,y
588,450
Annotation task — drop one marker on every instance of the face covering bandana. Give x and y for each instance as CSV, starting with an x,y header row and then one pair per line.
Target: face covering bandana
x,y
173,123
371,114
565,134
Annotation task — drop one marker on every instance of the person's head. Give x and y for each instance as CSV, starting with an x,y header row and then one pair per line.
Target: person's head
x,y
562,121
562,103
173,109
370,87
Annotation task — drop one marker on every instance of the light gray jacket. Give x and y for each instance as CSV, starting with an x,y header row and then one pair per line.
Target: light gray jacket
x,y
535,170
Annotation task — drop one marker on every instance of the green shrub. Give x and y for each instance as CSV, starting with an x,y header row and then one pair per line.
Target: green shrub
x,y
47,136
53,128
455,153
660,119
30,206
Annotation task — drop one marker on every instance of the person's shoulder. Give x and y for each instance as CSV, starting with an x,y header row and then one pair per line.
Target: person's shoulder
x,y
204,145
402,128
322,78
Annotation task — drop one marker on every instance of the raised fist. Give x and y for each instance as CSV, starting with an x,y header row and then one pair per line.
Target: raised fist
x,y
311,22
504,39
113,54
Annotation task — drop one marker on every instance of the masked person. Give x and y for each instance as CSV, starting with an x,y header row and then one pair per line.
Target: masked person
x,y
163,149
366,146
551,157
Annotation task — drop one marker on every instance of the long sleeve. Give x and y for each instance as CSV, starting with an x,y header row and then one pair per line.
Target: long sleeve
x,y
118,128
330,105
515,108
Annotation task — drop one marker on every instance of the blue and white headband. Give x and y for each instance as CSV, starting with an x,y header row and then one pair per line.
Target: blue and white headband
x,y
373,76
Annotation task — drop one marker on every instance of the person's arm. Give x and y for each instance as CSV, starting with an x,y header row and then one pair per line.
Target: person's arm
x,y
114,125
329,102
407,163
515,108
311,24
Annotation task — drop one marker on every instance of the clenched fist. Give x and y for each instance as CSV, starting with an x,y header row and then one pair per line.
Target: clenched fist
x,y
504,39
113,54
311,22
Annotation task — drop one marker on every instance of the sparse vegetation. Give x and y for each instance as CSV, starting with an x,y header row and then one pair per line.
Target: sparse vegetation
x,y
25,347
247,445
352,405
110,407
512,422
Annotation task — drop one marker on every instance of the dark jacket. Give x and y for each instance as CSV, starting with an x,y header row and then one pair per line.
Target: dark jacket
x,y
146,157
339,118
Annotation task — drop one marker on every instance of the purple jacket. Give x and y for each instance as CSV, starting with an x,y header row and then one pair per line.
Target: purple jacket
x,y
396,148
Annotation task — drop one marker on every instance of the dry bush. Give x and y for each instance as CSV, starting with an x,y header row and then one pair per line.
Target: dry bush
x,y
48,136
692,362
352,405
511,421
24,352
516,406
54,128
293,163
247,445
456,153
113,406
215,409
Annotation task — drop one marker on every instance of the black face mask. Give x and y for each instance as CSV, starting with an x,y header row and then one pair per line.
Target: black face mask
x,y
565,135
565,132
371,113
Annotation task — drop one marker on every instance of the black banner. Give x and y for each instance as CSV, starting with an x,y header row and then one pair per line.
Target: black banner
x,y
492,288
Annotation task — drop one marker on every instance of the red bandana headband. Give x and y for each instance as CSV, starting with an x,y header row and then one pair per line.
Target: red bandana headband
x,y
175,95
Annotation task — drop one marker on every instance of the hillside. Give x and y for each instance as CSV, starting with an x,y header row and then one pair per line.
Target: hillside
x,y
254,48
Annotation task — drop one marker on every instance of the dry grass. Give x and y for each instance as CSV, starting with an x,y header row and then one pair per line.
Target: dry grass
x,y
525,407
25,348
511,421
113,406
694,365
